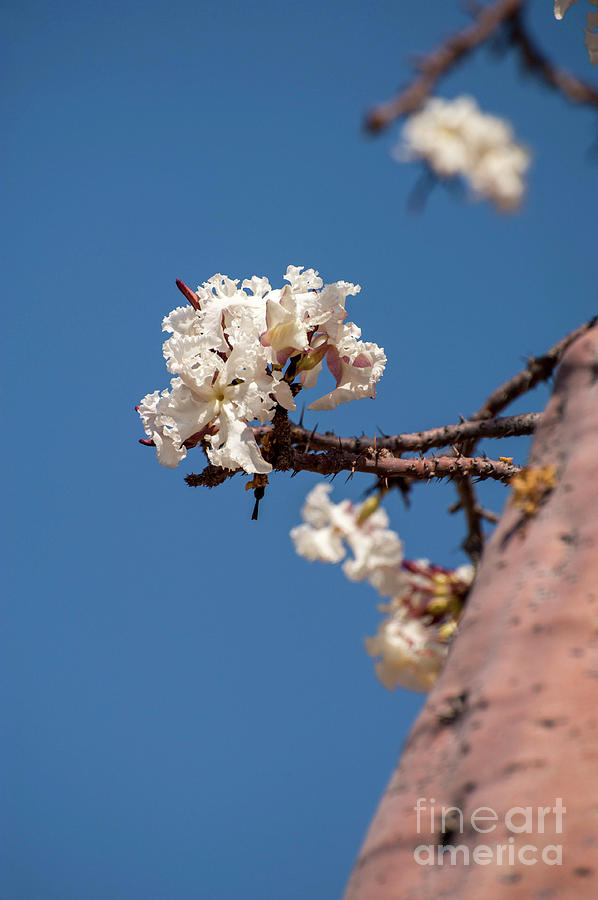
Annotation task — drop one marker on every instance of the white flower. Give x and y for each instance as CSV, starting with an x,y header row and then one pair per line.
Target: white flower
x,y
328,525
455,138
227,350
500,175
302,318
286,331
412,640
409,654
426,600
356,367
209,400
438,135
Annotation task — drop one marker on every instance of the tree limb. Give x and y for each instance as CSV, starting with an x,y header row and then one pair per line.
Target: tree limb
x,y
381,464
539,64
537,369
440,61
417,442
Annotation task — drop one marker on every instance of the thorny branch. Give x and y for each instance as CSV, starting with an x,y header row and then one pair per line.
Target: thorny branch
x,y
286,431
419,441
382,464
372,455
537,369
376,456
440,61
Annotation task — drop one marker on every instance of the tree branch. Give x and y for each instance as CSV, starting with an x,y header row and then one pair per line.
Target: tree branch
x,y
538,64
381,464
419,441
440,61
538,369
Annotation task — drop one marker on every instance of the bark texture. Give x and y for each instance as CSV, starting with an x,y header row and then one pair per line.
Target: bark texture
x,y
513,719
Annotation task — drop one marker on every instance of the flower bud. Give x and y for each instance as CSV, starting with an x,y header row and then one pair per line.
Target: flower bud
x,y
368,507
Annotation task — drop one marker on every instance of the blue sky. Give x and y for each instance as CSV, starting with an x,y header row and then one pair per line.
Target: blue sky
x,y
188,708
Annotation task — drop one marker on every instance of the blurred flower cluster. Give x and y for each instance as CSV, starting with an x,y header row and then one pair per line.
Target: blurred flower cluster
x,y
591,30
426,600
227,354
456,139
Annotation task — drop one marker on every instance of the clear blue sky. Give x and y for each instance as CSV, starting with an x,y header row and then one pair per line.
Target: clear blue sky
x,y
188,710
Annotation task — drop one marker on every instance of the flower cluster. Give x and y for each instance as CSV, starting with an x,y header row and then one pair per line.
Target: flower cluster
x,y
456,139
227,353
591,31
328,527
426,600
412,641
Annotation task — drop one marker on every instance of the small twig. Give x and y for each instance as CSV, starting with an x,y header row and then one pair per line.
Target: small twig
x,y
488,515
538,63
210,477
474,542
538,369
482,511
488,19
440,61
421,190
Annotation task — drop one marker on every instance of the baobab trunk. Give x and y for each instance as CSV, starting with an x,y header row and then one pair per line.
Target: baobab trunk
x,y
512,723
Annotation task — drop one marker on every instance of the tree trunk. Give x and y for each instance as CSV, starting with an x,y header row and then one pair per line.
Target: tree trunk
x,y
512,721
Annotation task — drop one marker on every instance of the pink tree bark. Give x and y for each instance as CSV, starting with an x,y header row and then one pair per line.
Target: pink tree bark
x,y
513,719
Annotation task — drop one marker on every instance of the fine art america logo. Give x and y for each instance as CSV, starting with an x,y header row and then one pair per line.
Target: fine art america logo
x,y
521,821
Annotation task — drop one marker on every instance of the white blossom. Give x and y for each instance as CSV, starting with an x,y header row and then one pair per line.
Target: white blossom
x,y
356,367
412,642
425,600
227,350
330,526
456,139
408,654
